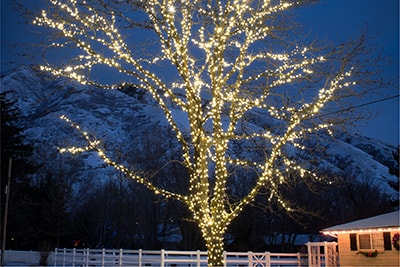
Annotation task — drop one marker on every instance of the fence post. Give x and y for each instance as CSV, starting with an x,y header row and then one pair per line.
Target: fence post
x,y
73,256
140,258
250,258
310,259
64,254
121,251
268,259
103,253
319,257
298,259
162,258
198,258
224,256
87,257
326,255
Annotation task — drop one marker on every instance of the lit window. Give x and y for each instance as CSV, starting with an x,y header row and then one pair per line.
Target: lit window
x,y
371,241
364,241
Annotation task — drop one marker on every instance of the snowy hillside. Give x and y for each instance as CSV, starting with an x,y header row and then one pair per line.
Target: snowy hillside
x,y
136,132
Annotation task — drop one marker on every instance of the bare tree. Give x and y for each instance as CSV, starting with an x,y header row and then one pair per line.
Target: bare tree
x,y
215,62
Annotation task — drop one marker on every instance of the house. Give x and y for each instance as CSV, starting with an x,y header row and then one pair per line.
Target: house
x,y
372,241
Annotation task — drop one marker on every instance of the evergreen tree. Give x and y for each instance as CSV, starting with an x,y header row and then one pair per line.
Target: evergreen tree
x,y
12,138
13,146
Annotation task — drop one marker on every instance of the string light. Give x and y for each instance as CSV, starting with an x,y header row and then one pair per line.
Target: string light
x,y
335,233
213,90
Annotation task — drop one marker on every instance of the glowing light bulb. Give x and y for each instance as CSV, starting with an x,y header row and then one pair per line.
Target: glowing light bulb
x,y
171,9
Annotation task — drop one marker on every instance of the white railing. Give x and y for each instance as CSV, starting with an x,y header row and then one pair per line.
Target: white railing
x,y
169,258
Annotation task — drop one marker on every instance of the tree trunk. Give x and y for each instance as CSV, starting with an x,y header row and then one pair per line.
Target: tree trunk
x,y
215,249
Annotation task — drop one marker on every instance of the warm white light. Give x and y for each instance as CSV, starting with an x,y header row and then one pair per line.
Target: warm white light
x,y
171,9
221,76
367,230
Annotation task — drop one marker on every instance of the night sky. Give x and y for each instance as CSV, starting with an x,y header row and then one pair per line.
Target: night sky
x,y
334,20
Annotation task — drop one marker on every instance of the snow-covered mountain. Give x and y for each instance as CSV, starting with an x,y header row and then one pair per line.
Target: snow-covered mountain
x,y
134,131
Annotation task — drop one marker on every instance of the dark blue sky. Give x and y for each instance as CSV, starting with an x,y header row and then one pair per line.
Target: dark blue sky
x,y
339,20
334,20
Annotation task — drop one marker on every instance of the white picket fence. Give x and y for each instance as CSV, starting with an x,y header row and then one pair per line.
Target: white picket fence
x,y
168,258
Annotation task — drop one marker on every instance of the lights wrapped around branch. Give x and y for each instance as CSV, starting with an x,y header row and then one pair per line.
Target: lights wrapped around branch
x,y
94,145
222,73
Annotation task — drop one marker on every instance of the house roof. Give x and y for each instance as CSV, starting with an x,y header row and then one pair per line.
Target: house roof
x,y
380,222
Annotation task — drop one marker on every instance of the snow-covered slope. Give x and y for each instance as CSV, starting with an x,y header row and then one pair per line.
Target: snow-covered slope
x,y
114,118
135,131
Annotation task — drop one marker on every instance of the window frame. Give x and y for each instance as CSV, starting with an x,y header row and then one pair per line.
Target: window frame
x,y
377,241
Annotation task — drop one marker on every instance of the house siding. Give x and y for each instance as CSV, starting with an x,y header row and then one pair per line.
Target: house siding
x,y
350,257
